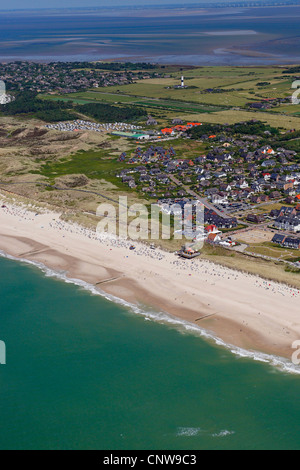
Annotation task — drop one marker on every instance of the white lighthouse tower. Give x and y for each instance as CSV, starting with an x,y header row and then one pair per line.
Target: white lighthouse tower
x,y
182,81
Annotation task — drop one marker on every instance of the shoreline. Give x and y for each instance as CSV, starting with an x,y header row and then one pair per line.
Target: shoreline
x,y
164,318
242,310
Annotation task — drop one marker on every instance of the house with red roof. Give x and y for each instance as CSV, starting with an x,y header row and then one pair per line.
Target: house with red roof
x,y
212,229
214,237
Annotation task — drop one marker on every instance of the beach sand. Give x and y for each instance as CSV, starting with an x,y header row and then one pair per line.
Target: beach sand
x,y
242,309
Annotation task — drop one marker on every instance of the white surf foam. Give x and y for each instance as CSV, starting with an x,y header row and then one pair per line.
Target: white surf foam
x,y
188,432
224,433
182,326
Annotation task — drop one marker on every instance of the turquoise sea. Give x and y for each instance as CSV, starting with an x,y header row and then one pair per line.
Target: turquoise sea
x,y
84,372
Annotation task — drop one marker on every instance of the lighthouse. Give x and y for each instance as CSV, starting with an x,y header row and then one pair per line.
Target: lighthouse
x,y
182,81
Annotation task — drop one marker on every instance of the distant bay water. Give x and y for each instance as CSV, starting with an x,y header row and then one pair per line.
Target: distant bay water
x,y
240,36
83,372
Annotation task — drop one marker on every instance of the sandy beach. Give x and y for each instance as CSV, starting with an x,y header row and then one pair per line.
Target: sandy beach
x,y
241,309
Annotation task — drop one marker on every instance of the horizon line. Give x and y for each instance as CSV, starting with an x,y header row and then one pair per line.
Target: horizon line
x,y
204,4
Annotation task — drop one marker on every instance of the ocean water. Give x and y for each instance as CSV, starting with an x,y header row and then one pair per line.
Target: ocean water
x,y
84,372
237,36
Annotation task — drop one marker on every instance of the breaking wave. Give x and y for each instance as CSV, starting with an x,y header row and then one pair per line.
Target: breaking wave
x,y
188,432
193,432
224,433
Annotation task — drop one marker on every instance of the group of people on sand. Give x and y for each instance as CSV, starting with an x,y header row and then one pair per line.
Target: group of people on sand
x,y
208,271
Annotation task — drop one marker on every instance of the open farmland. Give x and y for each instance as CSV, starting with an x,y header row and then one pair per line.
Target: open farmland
x,y
208,90
234,116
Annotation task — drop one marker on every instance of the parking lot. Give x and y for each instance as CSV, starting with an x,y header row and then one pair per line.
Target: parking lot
x,y
233,207
80,125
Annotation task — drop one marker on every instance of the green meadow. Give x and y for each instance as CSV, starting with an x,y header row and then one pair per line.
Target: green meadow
x,y
213,94
94,164
246,79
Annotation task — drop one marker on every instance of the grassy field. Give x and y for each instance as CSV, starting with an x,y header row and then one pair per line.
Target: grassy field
x,y
247,79
178,106
93,97
240,86
274,251
233,116
209,114
290,109
104,164
233,72
109,98
242,262
93,164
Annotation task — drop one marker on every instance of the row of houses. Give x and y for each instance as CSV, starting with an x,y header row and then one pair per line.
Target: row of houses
x,y
286,242
289,224
225,173
214,219
67,78
287,218
268,103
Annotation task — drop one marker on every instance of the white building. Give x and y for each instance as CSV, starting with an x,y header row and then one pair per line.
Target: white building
x,y
291,224
218,199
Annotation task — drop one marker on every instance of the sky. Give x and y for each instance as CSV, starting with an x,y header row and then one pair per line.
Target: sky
x,y
28,4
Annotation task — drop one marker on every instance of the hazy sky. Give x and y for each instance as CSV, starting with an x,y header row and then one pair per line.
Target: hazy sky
x,y
23,4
